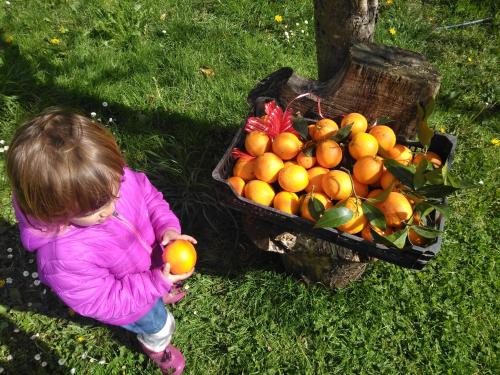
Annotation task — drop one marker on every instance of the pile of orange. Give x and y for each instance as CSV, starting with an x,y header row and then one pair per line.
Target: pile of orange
x,y
285,171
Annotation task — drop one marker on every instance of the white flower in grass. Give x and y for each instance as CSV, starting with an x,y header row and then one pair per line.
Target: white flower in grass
x,y
104,104
481,182
110,119
302,31
2,149
92,360
72,371
34,275
26,273
2,142
93,114
16,330
297,24
35,336
5,148
10,256
36,282
61,362
102,362
164,31
43,364
306,22
9,250
1,370
9,280
37,357
10,357
7,3
84,355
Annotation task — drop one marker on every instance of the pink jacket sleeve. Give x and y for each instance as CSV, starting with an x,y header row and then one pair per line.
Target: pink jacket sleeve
x,y
160,214
94,292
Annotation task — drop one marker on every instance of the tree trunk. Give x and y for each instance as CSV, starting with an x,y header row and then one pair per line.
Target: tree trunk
x,y
339,24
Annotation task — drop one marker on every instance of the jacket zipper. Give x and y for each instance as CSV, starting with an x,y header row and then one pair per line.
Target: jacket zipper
x,y
134,230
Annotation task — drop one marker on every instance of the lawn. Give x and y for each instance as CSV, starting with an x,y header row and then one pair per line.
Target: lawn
x,y
170,79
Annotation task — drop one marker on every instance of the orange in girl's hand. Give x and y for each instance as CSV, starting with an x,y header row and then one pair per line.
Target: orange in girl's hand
x,y
181,255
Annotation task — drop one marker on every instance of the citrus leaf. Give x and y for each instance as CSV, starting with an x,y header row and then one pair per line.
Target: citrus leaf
x,y
374,215
333,217
425,133
342,133
429,108
435,177
398,239
382,121
402,173
436,191
423,208
300,124
309,148
315,207
426,232
419,178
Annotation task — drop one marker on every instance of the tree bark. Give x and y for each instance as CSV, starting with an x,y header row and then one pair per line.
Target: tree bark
x,y
338,25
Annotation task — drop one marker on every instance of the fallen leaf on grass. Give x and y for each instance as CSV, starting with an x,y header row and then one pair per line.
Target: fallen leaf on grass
x,y
207,72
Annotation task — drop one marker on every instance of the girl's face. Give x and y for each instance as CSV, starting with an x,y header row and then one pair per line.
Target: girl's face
x,y
96,217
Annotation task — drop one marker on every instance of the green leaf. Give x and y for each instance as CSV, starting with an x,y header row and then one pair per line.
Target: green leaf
x,y
382,121
425,231
425,133
419,178
342,134
300,124
3,309
401,172
436,191
315,207
335,216
374,215
429,108
423,208
398,239
435,177
309,149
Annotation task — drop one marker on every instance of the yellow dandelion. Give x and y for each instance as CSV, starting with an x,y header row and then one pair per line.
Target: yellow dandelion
x,y
469,59
495,142
80,339
442,130
2,283
55,41
278,18
389,2
8,39
392,31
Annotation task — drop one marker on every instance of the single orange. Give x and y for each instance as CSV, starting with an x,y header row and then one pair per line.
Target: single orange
x,y
315,175
368,169
396,209
267,167
305,160
181,255
363,144
287,202
237,183
358,220
387,179
257,142
244,168
337,184
259,192
432,157
400,153
358,121
293,178
286,145
385,136
328,153
304,207
323,129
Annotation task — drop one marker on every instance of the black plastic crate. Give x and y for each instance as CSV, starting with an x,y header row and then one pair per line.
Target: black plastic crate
x,y
414,257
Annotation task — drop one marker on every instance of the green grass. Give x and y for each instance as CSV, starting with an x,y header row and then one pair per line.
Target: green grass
x,y
244,314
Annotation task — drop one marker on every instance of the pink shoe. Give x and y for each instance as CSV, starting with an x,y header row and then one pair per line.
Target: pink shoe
x,y
170,361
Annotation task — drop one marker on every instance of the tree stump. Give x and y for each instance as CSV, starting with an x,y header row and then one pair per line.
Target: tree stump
x,y
313,259
375,80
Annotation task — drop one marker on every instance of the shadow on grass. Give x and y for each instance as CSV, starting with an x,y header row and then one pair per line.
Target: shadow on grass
x,y
197,145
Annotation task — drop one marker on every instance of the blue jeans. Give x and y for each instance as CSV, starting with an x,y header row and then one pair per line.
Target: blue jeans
x,y
154,330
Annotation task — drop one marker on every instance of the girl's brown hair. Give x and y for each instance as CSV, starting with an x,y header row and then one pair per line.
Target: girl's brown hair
x,y
63,165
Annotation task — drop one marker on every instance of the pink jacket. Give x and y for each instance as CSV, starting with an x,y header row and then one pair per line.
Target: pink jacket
x,y
106,271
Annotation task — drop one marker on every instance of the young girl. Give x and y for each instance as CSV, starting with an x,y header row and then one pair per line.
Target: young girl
x,y
96,226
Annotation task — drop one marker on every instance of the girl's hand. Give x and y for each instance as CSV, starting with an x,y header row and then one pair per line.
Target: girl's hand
x,y
174,278
172,235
